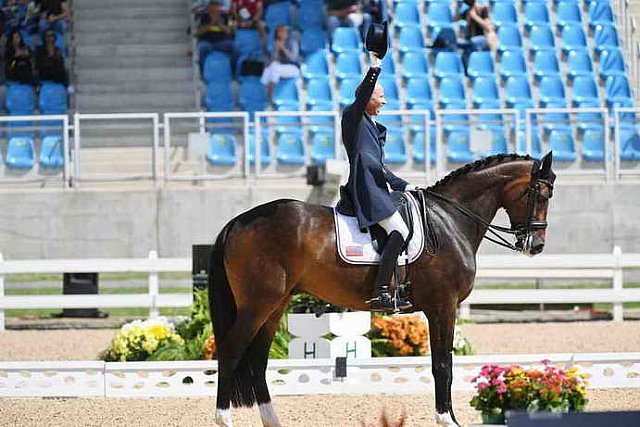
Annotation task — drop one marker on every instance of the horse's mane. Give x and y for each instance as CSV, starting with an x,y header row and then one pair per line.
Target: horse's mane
x,y
479,165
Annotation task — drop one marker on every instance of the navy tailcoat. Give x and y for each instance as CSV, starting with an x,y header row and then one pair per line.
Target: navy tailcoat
x,y
366,194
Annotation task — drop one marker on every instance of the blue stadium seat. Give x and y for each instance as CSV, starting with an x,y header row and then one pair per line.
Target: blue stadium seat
x,y
265,148
568,13
541,38
286,92
53,98
310,15
593,145
312,40
513,65
536,147
458,147
618,92
51,152
452,93
510,39
545,63
247,42
20,100
322,147
410,39
222,149
579,64
321,123
288,124
518,93
439,17
504,14
348,66
391,92
455,122
600,13
406,15
347,91
448,64
218,97
629,143
573,38
480,65
346,39
290,149
315,65
419,143
419,95
415,65
217,67
484,91
388,66
605,37
611,63
499,143
319,93
277,14
535,14
588,120
20,153
585,90
490,121
562,144
395,150
556,121
253,95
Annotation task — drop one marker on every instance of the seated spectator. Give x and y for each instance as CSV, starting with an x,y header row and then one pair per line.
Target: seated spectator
x,y
345,13
214,32
50,61
285,59
480,31
247,13
18,59
53,14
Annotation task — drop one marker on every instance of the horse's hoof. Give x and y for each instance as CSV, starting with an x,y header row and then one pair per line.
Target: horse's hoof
x,y
223,418
446,420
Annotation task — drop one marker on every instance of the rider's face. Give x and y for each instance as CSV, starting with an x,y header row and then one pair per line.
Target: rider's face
x,y
376,102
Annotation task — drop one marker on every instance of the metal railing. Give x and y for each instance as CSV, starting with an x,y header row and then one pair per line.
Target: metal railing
x,y
630,39
630,166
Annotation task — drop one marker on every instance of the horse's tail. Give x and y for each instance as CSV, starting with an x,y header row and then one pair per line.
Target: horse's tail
x,y
222,305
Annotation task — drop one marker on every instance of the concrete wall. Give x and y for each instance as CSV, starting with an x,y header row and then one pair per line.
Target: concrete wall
x,y
82,223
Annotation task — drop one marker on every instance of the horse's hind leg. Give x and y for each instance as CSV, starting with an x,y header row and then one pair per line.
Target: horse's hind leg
x,y
441,326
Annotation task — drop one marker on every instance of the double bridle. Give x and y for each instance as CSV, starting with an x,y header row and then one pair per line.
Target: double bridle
x,y
522,231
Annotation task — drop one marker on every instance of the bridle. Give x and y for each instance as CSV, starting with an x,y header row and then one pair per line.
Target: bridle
x,y
521,231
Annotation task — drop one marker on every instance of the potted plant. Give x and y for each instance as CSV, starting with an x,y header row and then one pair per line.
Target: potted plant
x,y
500,389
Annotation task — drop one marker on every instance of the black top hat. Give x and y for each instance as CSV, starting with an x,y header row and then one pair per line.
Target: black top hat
x,y
377,40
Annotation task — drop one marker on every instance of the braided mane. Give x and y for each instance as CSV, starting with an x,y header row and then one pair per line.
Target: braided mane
x,y
479,165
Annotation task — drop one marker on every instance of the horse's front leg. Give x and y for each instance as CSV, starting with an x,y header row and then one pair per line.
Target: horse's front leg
x,y
442,320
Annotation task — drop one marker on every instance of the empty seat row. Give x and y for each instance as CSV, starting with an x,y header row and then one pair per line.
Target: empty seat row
x,y
21,153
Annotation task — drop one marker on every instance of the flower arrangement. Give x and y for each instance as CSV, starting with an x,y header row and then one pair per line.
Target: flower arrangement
x,y
398,336
461,344
139,339
513,388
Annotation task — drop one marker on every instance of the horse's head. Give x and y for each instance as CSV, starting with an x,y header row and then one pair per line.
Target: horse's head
x,y
527,202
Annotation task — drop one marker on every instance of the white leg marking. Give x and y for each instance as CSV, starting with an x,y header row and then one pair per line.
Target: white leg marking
x,y
268,415
445,420
223,418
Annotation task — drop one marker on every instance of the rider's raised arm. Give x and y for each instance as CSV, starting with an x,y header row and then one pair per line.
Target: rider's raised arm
x,y
363,94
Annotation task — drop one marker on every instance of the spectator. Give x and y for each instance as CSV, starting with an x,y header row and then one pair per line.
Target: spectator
x,y
345,13
53,14
285,59
50,61
18,59
373,11
480,30
247,14
214,32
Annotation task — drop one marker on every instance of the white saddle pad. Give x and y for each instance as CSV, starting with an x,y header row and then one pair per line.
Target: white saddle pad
x,y
355,247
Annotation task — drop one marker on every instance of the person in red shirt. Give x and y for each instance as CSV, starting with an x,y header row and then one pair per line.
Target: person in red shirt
x,y
247,13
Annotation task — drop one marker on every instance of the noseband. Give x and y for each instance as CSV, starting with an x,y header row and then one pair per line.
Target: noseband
x,y
521,231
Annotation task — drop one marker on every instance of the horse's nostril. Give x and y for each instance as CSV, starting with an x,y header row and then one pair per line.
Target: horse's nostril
x,y
536,249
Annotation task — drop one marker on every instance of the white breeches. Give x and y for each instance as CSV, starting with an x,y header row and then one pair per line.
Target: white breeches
x,y
395,223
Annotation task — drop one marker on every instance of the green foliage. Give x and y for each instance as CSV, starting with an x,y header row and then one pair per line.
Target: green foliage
x,y
199,318
191,349
304,303
280,345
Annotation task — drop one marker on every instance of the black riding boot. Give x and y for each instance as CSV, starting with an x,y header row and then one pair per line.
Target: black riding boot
x,y
384,300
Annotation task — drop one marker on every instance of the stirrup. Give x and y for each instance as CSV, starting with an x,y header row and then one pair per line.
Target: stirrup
x,y
384,302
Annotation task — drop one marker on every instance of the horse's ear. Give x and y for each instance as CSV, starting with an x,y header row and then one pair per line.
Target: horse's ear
x,y
546,164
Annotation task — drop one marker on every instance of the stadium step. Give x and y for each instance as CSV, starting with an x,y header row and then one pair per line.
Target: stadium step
x,y
133,50
140,35
132,102
98,23
178,86
106,11
121,74
95,62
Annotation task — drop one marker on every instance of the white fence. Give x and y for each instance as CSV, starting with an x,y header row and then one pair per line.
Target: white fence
x,y
562,266
388,375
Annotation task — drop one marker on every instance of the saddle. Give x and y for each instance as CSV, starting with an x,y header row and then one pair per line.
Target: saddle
x,y
379,235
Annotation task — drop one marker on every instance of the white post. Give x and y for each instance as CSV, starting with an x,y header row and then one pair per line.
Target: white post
x,y
464,312
618,282
154,311
1,296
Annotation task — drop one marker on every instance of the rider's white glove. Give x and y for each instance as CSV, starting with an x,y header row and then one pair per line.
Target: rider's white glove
x,y
410,187
374,61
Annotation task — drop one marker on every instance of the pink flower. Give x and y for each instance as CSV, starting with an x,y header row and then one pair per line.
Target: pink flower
x,y
502,388
482,386
546,362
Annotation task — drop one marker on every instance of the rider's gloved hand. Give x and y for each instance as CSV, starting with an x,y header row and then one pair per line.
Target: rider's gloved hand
x,y
374,61
411,187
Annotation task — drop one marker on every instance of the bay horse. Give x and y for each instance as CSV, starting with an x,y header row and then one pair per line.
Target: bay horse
x,y
265,254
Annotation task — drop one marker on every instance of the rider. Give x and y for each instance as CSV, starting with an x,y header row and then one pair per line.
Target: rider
x,y
366,193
